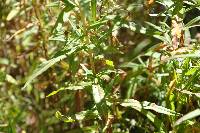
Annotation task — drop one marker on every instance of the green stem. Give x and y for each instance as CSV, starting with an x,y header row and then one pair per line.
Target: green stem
x,y
87,39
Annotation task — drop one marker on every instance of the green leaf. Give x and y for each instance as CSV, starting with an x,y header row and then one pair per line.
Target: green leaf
x,y
68,7
11,80
98,93
87,71
109,63
4,61
155,26
148,106
63,118
188,116
86,115
59,20
69,4
193,21
97,24
157,122
2,76
162,38
53,4
139,48
129,65
191,71
55,92
13,13
43,67
93,9
83,115
196,55
80,86
159,109
189,93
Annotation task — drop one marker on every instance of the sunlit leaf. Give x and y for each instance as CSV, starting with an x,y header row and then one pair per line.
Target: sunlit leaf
x,y
188,116
191,71
63,118
109,63
87,71
98,93
68,7
148,106
81,116
11,80
2,76
141,108
13,13
4,61
80,86
93,8
193,21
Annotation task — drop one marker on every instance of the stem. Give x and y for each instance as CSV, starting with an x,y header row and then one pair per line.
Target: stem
x,y
87,39
41,25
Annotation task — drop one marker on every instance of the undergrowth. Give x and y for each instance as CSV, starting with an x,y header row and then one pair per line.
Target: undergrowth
x,y
100,66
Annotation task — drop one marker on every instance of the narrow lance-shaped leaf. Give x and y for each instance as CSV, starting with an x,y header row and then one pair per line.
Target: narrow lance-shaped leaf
x,y
139,107
193,21
93,7
159,109
80,86
68,7
196,55
157,122
81,116
147,105
67,88
69,4
13,13
188,116
87,71
2,76
155,26
43,67
63,118
191,71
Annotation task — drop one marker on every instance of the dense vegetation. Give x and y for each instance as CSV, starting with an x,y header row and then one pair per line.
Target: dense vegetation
x,y
99,66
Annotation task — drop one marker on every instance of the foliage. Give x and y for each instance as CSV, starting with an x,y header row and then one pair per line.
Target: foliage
x,y
100,66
